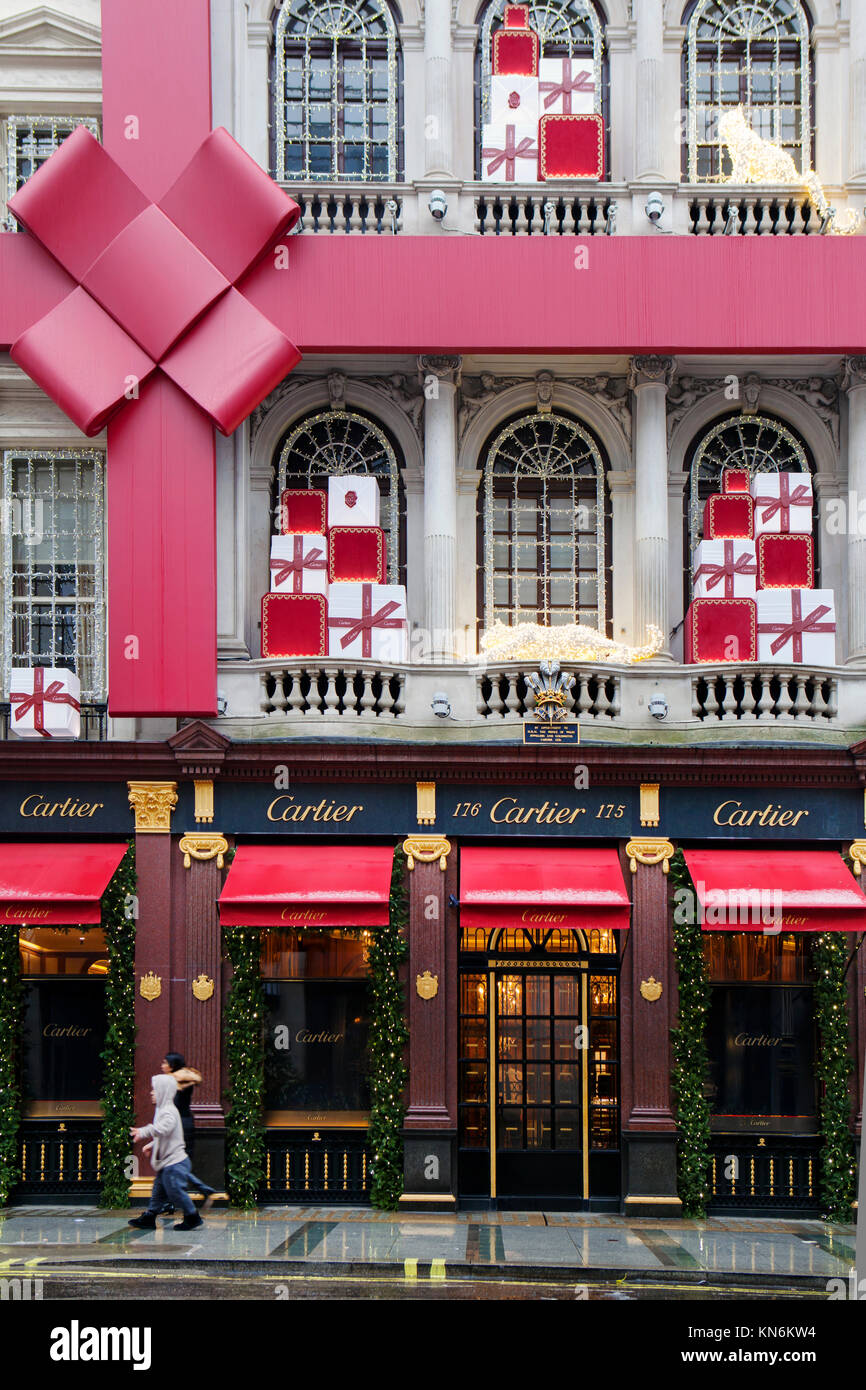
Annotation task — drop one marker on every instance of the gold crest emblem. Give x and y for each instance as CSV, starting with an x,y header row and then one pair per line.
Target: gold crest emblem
x,y
651,989
202,987
427,985
150,986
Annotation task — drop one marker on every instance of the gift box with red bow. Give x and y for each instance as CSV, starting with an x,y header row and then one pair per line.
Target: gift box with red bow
x,y
513,99
785,562
736,480
353,500
728,516
783,503
299,564
294,625
720,629
356,554
368,621
509,152
303,511
725,569
45,702
797,625
515,52
566,86
571,147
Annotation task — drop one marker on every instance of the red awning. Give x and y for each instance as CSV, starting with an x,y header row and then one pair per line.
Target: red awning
x,y
55,884
542,888
775,890
308,886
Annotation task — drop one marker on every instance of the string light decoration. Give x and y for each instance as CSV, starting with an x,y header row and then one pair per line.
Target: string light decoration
x,y
118,1054
689,1047
567,28
833,1067
245,1053
573,643
10,1059
388,1039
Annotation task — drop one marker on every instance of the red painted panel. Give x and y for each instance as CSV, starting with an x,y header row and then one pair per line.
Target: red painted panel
x,y
161,556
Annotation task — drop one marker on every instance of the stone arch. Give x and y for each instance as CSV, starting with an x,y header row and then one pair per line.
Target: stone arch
x,y
570,399
774,401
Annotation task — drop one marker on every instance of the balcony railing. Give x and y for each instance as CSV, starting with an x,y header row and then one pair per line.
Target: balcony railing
x,y
540,211
364,209
758,693
751,212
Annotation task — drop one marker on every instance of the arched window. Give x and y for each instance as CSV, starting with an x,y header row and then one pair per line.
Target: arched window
x,y
336,92
543,525
334,442
749,53
566,29
755,442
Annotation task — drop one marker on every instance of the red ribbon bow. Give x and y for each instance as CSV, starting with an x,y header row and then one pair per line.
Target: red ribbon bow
x,y
784,502
508,156
793,631
744,564
363,627
580,82
298,563
54,695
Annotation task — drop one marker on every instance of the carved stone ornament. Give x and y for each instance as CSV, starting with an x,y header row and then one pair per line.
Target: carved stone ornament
x,y
427,985
610,391
477,392
150,986
550,687
649,851
857,854
427,849
652,370
651,989
202,987
153,803
203,845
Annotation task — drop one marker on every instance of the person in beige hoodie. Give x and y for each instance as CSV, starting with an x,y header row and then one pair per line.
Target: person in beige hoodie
x,y
168,1159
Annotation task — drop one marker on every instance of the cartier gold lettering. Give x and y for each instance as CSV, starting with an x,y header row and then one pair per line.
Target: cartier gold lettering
x,y
284,808
305,1036
508,810
34,805
69,1030
734,813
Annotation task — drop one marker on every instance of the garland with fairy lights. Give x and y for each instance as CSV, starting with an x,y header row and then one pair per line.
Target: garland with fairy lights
x,y
833,1067
690,1057
118,1054
245,1051
10,1082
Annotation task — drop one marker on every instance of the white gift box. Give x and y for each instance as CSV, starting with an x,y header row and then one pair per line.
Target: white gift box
x,y
796,625
353,500
725,569
299,564
509,152
783,503
513,99
566,87
45,702
368,621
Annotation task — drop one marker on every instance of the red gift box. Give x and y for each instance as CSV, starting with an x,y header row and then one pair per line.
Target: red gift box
x,y
785,562
294,625
571,147
736,479
516,17
729,516
721,629
515,53
303,510
356,554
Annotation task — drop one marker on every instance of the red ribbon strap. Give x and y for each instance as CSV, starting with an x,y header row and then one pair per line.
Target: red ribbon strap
x,y
580,82
283,569
744,564
54,695
525,150
363,627
784,502
793,631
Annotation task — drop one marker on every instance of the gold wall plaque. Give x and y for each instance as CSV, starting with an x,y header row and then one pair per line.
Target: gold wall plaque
x,y
426,849
427,985
649,803
649,851
150,986
203,845
425,802
202,987
651,989
857,853
153,803
203,800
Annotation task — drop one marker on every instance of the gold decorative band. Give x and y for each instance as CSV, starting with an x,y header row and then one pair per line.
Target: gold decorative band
x,y
426,849
153,803
857,853
425,802
649,803
203,800
203,844
649,851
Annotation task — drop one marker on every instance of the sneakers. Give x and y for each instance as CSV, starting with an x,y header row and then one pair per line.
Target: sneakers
x,y
188,1223
145,1222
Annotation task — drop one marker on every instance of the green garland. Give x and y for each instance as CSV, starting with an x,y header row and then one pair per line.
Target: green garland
x,y
118,1054
388,1038
690,1058
833,1069
10,1087
244,1011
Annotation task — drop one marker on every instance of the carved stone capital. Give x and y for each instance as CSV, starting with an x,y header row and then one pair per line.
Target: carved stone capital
x,y
445,369
853,373
426,849
153,803
649,851
650,371
203,845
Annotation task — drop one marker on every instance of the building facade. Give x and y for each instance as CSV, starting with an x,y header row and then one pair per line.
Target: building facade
x,y
516,487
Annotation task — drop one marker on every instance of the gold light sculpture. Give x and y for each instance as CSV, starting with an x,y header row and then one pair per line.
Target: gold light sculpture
x,y
571,642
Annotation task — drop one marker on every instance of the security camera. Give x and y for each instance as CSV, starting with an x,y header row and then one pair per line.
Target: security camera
x,y
222,703
658,707
441,705
655,206
438,204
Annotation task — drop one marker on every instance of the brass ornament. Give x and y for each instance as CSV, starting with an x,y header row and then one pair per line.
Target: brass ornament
x,y
427,985
150,986
649,803
651,989
426,849
425,802
153,803
202,987
649,851
857,853
203,800
203,845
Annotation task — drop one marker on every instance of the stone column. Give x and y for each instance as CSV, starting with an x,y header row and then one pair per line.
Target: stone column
x,y
857,94
648,1006
648,90
438,132
440,376
855,385
649,379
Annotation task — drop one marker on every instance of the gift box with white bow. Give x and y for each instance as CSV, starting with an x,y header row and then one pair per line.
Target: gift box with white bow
x,y
45,702
368,621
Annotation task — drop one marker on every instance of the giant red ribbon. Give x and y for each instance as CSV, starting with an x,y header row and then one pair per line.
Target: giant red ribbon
x,y
744,564
525,150
784,502
580,82
363,627
793,631
298,563
54,695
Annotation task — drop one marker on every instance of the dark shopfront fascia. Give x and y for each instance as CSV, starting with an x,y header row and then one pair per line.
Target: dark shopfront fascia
x,y
179,933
